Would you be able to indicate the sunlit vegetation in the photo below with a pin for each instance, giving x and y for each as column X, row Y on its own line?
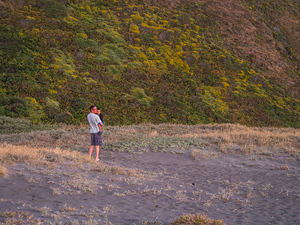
column 196, row 220
column 139, row 62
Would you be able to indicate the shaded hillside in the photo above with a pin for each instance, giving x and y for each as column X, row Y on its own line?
column 151, row 61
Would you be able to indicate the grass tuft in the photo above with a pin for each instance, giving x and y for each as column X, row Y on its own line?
column 20, row 218
column 3, row 171
column 196, row 219
column 117, row 170
column 16, row 154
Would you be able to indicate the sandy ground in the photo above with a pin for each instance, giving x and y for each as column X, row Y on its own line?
column 239, row 189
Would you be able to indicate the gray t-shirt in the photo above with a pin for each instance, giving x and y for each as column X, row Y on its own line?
column 94, row 120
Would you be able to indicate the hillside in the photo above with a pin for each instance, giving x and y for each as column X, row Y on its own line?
column 179, row 61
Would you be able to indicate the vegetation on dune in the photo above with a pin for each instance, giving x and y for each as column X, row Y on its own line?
column 12, row 217
column 17, row 125
column 200, row 141
column 141, row 62
column 196, row 220
column 10, row 154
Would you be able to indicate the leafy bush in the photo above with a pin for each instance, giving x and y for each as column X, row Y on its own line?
column 34, row 110
column 10, row 125
column 140, row 95
column 53, row 8
column 28, row 107
column 13, row 106
column 52, row 109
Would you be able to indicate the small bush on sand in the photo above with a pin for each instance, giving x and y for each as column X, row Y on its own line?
column 196, row 220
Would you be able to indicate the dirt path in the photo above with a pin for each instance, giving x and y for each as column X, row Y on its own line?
column 238, row 189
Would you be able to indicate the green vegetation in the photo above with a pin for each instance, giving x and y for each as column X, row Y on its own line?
column 16, row 125
column 139, row 62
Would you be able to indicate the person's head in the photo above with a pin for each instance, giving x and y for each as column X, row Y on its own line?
column 93, row 109
column 98, row 111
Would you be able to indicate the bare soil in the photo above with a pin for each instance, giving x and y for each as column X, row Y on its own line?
column 239, row 189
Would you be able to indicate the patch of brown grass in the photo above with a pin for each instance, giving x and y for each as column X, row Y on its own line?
column 67, row 208
column 81, row 183
column 20, row 218
column 16, row 154
column 10, row 154
column 247, row 139
column 197, row 154
column 3, row 171
column 196, row 219
column 117, row 170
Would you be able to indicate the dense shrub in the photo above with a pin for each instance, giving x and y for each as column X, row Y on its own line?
column 14, row 106
column 67, row 54
column 10, row 125
column 53, row 8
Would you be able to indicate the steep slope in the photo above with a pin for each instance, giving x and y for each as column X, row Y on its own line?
column 182, row 61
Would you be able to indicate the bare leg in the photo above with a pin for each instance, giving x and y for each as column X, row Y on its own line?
column 91, row 151
column 97, row 152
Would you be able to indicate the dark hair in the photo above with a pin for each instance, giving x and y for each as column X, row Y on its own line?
column 101, row 117
column 91, row 107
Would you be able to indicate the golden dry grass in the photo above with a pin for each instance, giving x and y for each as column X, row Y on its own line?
column 18, row 217
column 3, row 171
column 196, row 219
column 10, row 154
column 248, row 139
column 117, row 170
column 227, row 138
column 14, row 154
column 200, row 154
column 240, row 133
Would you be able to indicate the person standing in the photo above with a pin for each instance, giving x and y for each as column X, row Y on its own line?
column 95, row 131
column 99, row 113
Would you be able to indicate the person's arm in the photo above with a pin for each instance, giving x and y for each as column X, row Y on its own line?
column 99, row 123
column 101, row 118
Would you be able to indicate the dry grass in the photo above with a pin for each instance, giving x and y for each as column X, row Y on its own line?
column 196, row 220
column 247, row 138
column 117, row 170
column 227, row 138
column 3, row 171
column 200, row 154
column 18, row 217
column 80, row 182
column 67, row 208
column 15, row 154
column 10, row 154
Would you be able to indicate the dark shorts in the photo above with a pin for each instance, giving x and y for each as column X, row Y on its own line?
column 96, row 139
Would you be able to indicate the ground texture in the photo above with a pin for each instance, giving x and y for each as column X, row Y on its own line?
column 152, row 187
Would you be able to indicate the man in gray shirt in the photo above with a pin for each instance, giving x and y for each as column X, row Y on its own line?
column 95, row 131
